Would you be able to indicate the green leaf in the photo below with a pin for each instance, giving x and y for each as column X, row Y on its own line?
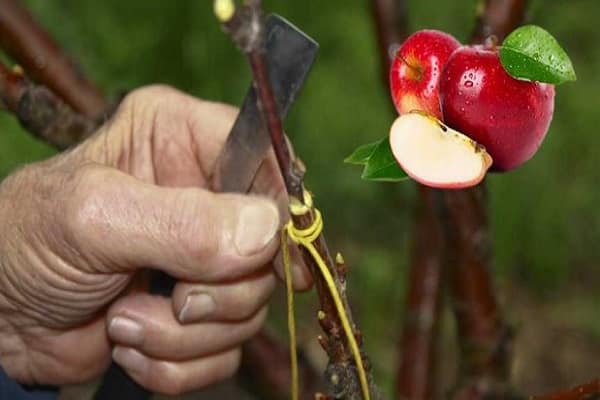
column 532, row 53
column 382, row 166
column 362, row 154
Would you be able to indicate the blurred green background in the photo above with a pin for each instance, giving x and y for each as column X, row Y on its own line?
column 544, row 216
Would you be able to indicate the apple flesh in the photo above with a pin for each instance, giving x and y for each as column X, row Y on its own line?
column 509, row 117
column 416, row 70
column 435, row 155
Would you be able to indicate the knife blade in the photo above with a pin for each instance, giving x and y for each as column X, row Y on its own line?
column 290, row 56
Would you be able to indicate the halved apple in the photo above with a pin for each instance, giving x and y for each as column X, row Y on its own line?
column 435, row 155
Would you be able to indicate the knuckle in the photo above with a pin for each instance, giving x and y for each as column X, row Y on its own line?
column 153, row 93
column 82, row 205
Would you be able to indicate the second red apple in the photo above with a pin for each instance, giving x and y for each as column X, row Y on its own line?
column 479, row 98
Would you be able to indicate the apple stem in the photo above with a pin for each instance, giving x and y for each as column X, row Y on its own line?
column 491, row 42
column 417, row 71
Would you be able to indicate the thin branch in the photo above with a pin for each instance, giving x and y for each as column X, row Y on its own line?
column 41, row 112
column 391, row 24
column 33, row 48
column 485, row 340
column 246, row 28
column 587, row 391
column 418, row 358
column 498, row 18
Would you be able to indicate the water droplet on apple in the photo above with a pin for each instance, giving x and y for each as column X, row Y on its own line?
column 462, row 109
column 469, row 84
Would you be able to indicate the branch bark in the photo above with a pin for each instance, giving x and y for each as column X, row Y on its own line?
column 246, row 28
column 391, row 27
column 34, row 49
column 587, row 391
column 418, row 359
column 498, row 18
column 41, row 112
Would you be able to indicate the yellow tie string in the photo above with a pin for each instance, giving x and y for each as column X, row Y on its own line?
column 306, row 237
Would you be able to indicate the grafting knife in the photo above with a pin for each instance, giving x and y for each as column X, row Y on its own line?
column 290, row 56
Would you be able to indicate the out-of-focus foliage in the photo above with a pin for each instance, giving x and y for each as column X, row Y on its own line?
column 545, row 216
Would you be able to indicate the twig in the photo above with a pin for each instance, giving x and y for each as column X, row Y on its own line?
column 498, row 18
column 418, row 358
column 485, row 340
column 391, row 24
column 587, row 391
column 41, row 112
column 246, row 27
column 24, row 40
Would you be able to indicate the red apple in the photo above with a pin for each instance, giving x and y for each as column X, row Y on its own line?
column 416, row 70
column 435, row 155
column 509, row 117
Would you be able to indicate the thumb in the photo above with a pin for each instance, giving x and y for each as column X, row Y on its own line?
column 119, row 224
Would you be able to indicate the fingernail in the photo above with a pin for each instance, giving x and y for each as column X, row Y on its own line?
column 126, row 331
column 130, row 359
column 257, row 225
column 196, row 307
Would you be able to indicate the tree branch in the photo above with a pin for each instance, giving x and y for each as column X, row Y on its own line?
column 33, row 48
column 485, row 340
column 246, row 28
column 498, row 18
column 418, row 358
column 391, row 25
column 587, row 391
column 41, row 112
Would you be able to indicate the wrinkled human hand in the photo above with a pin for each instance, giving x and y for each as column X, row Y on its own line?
column 77, row 227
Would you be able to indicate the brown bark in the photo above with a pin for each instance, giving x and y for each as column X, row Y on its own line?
column 33, row 48
column 391, row 27
column 41, row 112
column 418, row 360
column 498, row 18
column 587, row 391
column 485, row 341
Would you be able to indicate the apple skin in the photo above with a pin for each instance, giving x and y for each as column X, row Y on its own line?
column 509, row 117
column 416, row 70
